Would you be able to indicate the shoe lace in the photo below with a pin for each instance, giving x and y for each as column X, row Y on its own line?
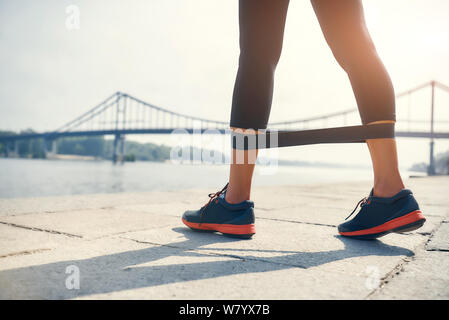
column 361, row 203
column 212, row 196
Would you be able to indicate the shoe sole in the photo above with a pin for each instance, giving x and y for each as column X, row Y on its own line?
column 409, row 222
column 245, row 231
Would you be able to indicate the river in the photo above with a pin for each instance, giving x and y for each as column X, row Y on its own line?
column 38, row 178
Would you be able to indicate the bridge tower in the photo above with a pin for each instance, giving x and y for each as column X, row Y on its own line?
column 431, row 168
column 118, row 153
column 14, row 151
column 50, row 148
column 119, row 149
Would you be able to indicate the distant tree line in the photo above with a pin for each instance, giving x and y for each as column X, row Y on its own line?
column 26, row 148
column 441, row 164
column 101, row 148
column 89, row 146
column 144, row 151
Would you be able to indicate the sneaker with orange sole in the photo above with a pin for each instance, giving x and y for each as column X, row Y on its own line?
column 380, row 216
column 234, row 220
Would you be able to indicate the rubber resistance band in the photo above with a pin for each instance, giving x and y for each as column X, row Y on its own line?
column 277, row 139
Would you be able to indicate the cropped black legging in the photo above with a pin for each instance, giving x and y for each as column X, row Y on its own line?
column 343, row 24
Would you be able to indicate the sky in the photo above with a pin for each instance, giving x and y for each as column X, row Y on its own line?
column 182, row 55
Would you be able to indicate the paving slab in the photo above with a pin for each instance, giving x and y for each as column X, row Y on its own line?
column 91, row 223
column 19, row 241
column 249, row 280
column 135, row 246
column 21, row 206
column 426, row 277
column 439, row 240
column 292, row 245
column 121, row 269
column 307, row 204
column 43, row 275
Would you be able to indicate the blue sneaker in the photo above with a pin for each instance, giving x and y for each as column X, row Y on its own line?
column 380, row 216
column 235, row 220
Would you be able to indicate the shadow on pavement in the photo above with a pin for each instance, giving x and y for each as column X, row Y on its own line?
column 133, row 269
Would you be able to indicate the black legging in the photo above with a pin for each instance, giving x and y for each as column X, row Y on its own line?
column 343, row 24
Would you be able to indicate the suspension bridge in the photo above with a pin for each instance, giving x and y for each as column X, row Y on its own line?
column 122, row 114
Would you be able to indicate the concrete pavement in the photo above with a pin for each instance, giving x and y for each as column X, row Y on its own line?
column 134, row 246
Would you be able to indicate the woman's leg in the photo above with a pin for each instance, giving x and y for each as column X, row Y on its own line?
column 261, row 34
column 240, row 176
column 343, row 25
column 387, row 179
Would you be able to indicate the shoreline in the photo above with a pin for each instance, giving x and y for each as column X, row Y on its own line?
column 281, row 162
column 143, row 193
column 25, row 179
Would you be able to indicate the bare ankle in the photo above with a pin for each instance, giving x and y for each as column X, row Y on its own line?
column 387, row 189
column 234, row 198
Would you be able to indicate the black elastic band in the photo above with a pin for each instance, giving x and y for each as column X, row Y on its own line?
column 278, row 139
